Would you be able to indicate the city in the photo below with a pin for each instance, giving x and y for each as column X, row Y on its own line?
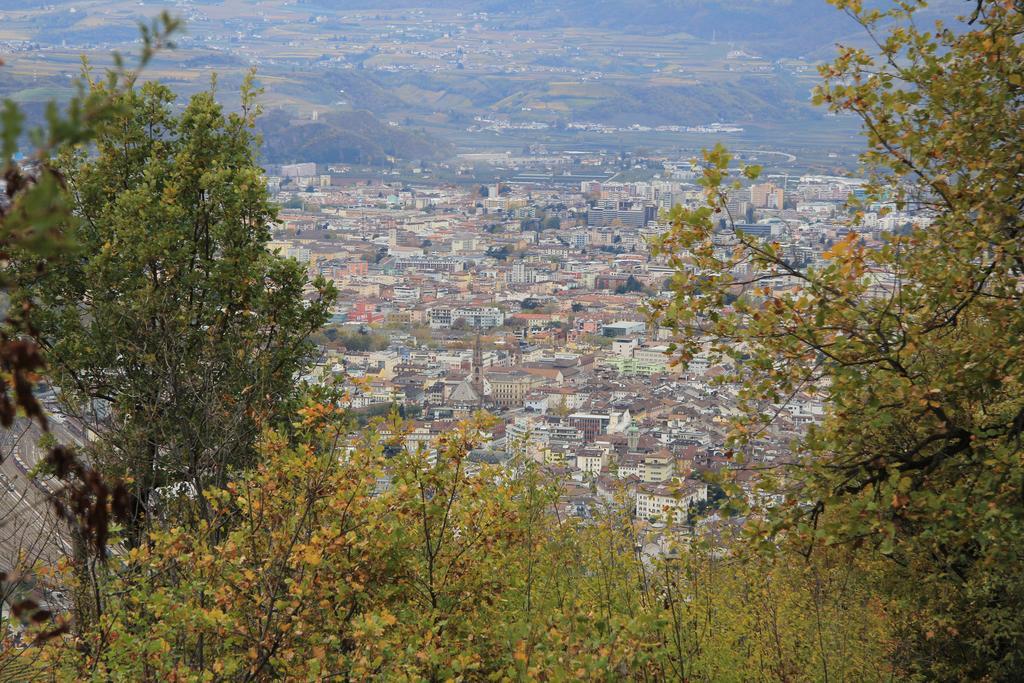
column 526, row 299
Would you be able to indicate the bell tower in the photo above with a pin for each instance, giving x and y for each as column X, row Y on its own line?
column 477, row 371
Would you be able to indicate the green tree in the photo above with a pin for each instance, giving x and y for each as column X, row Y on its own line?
column 631, row 285
column 914, row 342
column 173, row 330
column 352, row 340
column 500, row 253
column 37, row 227
column 561, row 409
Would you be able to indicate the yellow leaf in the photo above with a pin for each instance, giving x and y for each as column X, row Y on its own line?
column 840, row 248
column 312, row 557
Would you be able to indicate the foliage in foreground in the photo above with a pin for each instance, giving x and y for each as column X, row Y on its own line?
column 172, row 324
column 916, row 346
column 311, row 569
column 34, row 212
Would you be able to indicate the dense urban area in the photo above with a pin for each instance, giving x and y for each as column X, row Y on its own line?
column 526, row 299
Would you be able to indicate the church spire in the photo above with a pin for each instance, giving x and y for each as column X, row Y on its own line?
column 478, row 368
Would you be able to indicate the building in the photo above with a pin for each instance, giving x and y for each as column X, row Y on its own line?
column 365, row 312
column 766, row 196
column 669, row 503
column 657, row 468
column 736, row 206
column 521, row 274
column 593, row 425
column 624, row 328
column 303, row 170
column 630, row 218
column 476, row 317
column 508, row 388
column 624, row 347
column 428, row 264
column 630, row 365
column 407, row 295
column 591, row 460
column 762, row 230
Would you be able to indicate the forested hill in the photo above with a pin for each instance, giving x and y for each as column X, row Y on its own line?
column 356, row 137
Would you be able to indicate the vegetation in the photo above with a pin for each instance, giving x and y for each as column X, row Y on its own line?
column 500, row 253
column 34, row 207
column 352, row 340
column 530, row 304
column 355, row 137
column 630, row 286
column 918, row 462
column 302, row 573
column 551, row 222
column 171, row 323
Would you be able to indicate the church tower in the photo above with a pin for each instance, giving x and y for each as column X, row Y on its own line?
column 477, row 372
column 633, row 437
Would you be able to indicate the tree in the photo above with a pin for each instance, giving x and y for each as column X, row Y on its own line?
column 314, row 569
column 500, row 253
column 629, row 286
column 173, row 330
column 529, row 304
column 918, row 460
column 33, row 207
column 561, row 409
column 355, row 340
column 355, row 557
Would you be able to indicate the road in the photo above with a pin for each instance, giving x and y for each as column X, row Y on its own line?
column 790, row 158
column 30, row 530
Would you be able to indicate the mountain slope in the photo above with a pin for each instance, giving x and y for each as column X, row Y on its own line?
column 355, row 137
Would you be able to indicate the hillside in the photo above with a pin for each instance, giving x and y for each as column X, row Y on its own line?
column 349, row 136
column 443, row 66
column 788, row 28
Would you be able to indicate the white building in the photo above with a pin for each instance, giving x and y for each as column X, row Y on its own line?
column 481, row 317
column 521, row 274
column 669, row 503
